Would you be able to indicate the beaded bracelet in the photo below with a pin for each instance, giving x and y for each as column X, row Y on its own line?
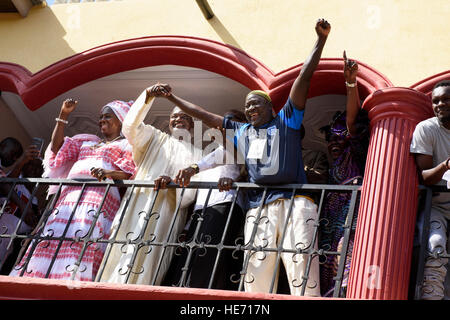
column 350, row 85
column 61, row 120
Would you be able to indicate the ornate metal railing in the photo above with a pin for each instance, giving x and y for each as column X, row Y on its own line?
column 421, row 249
column 241, row 251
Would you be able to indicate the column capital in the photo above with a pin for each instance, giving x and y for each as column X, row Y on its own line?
column 426, row 85
column 398, row 102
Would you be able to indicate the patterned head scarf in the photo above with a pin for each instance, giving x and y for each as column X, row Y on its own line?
column 120, row 108
column 337, row 126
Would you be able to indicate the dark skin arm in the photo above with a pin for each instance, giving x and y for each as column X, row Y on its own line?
column 30, row 153
column 212, row 120
column 428, row 174
column 184, row 176
column 299, row 90
column 67, row 108
column 298, row 93
column 161, row 182
column 225, row 184
column 102, row 174
column 353, row 105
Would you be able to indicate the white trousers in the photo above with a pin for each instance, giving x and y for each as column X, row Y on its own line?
column 269, row 231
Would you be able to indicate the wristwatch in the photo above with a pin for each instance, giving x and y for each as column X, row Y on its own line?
column 195, row 167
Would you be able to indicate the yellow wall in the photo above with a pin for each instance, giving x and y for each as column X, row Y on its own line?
column 406, row 40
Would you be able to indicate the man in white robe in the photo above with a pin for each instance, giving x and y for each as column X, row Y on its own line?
column 144, row 222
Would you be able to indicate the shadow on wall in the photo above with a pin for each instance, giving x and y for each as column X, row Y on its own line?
column 222, row 32
column 10, row 126
column 228, row 39
column 40, row 32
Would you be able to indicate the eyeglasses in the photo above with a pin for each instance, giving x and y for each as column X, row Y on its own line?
column 336, row 137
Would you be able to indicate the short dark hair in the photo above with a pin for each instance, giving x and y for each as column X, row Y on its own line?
column 12, row 142
column 443, row 83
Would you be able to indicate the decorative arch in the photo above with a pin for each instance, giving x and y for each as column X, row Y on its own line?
column 328, row 79
column 426, row 86
column 41, row 87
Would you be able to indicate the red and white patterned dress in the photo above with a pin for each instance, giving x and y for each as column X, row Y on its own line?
column 84, row 152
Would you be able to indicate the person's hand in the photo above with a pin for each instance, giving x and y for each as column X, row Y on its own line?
column 68, row 106
column 100, row 174
column 350, row 69
column 322, row 28
column 161, row 182
column 32, row 152
column 225, row 184
column 183, row 177
column 447, row 163
column 159, row 90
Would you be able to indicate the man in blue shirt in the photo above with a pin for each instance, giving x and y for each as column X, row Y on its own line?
column 271, row 146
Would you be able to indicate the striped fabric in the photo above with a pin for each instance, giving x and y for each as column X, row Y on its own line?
column 112, row 156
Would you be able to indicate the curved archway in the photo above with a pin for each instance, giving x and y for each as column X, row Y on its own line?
column 426, row 86
column 39, row 88
column 328, row 79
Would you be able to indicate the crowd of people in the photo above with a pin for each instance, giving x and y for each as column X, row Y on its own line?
column 264, row 148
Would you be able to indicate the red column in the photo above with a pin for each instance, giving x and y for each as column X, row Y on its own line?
column 384, row 236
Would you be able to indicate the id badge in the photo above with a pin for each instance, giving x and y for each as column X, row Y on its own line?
column 256, row 149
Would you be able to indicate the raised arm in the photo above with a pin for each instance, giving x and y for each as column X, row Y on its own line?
column 299, row 90
column 353, row 104
column 133, row 128
column 67, row 108
column 212, row 120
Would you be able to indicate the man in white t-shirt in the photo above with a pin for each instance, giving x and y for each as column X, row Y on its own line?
column 431, row 147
